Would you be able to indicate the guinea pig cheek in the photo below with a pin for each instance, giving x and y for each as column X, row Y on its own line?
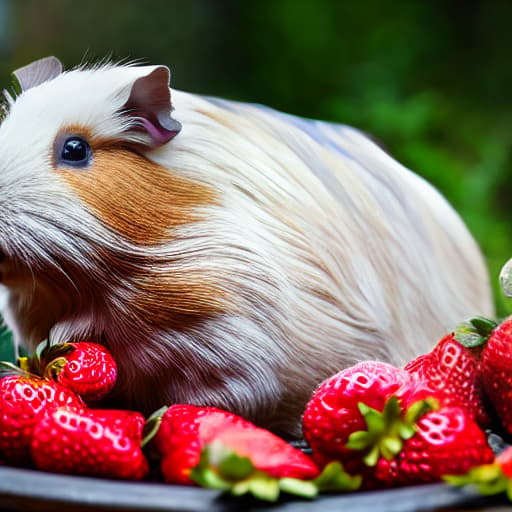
column 136, row 197
column 144, row 202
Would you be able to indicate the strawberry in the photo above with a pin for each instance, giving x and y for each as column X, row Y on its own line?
column 90, row 442
column 333, row 414
column 86, row 368
column 504, row 460
column 452, row 371
column 24, row 401
column 218, row 449
column 446, row 441
column 180, row 431
column 497, row 371
column 495, row 344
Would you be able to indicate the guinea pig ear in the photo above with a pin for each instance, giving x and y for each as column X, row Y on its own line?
column 38, row 72
column 149, row 109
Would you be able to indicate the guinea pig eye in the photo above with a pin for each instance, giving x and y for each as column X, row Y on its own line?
column 75, row 152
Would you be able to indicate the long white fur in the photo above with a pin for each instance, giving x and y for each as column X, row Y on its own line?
column 328, row 250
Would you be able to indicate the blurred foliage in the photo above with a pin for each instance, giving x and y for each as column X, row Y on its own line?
column 430, row 79
column 6, row 346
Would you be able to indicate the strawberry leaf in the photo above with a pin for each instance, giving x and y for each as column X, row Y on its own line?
column 303, row 488
column 207, row 477
column 487, row 479
column 261, row 486
column 221, row 468
column 334, row 478
column 387, row 430
column 483, row 325
column 360, row 440
column 474, row 332
column 509, row 490
column 45, row 354
column 230, row 465
column 375, row 420
column 419, row 409
column 390, row 446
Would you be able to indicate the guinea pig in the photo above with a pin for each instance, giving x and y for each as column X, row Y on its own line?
column 226, row 253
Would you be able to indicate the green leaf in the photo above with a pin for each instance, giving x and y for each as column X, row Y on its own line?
column 509, row 490
column 375, row 420
column 467, row 335
column 234, row 467
column 359, row 440
column 263, row 486
column 487, row 479
column 6, row 343
column 390, row 446
column 392, row 410
column 207, row 477
column 483, row 325
column 474, row 332
column 419, row 409
column 386, row 430
column 372, row 457
column 302, row 488
column 334, row 478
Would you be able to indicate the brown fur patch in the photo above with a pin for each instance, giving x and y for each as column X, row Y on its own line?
column 141, row 200
column 144, row 202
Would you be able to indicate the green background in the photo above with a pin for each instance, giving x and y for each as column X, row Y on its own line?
column 430, row 79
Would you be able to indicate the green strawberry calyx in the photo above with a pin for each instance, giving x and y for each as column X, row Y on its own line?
column 221, row 468
column 387, row 430
column 486, row 479
column 475, row 332
column 49, row 360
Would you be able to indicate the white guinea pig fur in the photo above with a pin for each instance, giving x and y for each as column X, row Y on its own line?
column 227, row 254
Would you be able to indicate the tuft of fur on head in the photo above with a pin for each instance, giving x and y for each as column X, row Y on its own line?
column 236, row 263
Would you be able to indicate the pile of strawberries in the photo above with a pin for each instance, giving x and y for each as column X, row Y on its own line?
column 369, row 426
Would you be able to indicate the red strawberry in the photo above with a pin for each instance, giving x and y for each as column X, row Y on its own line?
column 86, row 368
column 504, row 460
column 333, row 414
column 23, row 402
column 181, row 436
column 90, row 442
column 130, row 423
column 447, row 441
column 218, row 449
column 497, row 371
column 452, row 371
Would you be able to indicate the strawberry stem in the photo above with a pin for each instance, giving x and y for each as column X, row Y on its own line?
column 54, row 368
column 152, row 425
column 8, row 368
